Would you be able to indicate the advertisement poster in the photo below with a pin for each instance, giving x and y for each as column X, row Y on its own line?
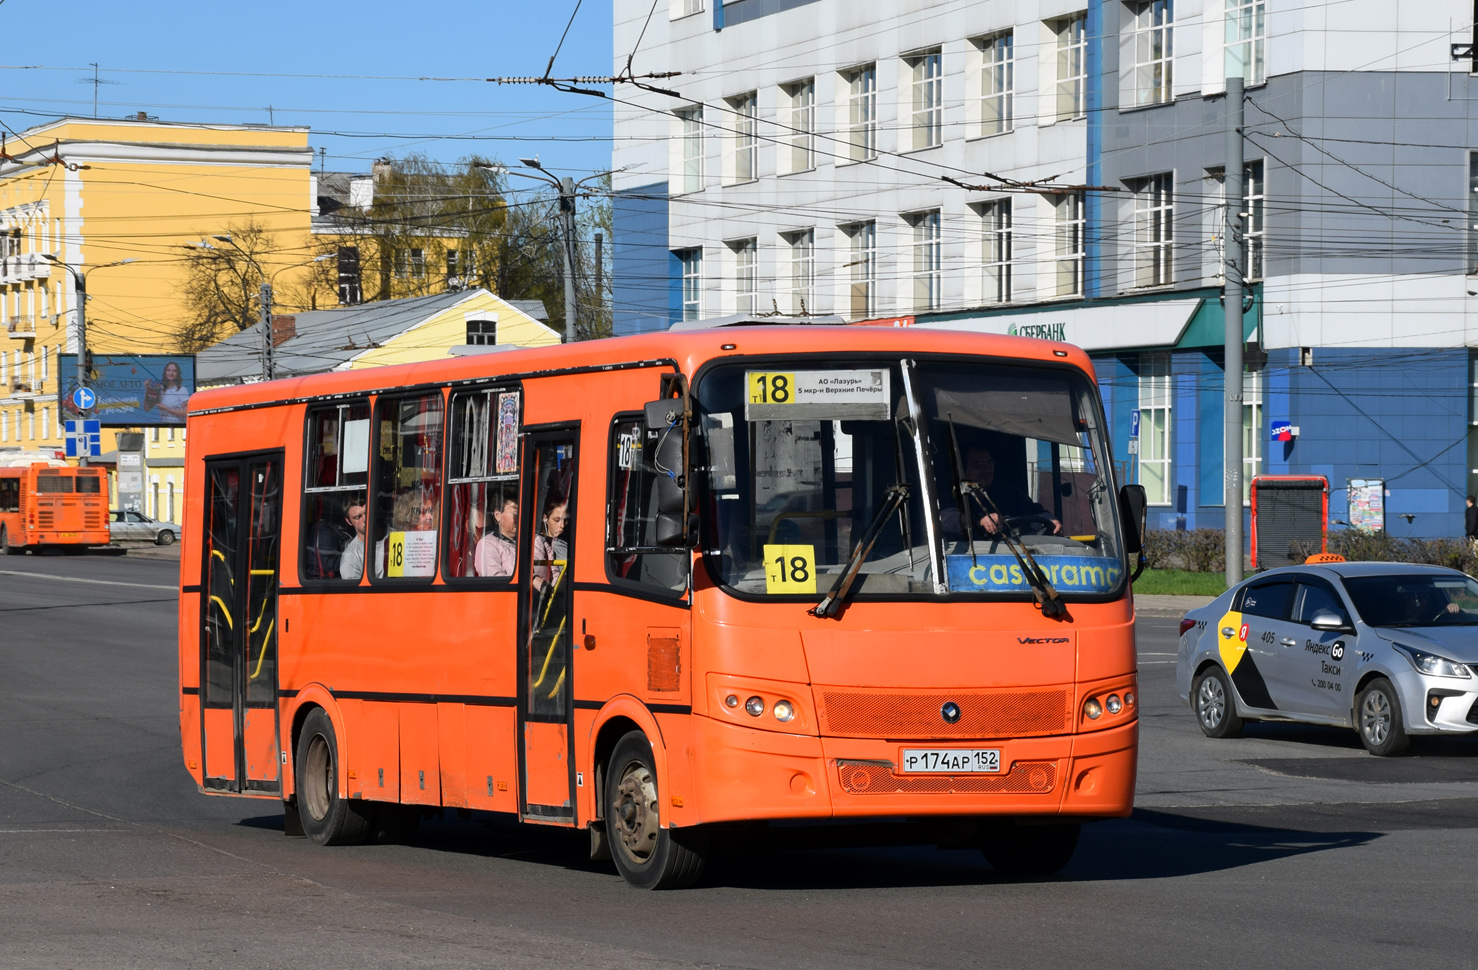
column 1368, row 503
column 507, row 455
column 133, row 390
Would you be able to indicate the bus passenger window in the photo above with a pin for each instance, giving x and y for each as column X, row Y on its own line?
column 483, row 485
column 407, row 487
column 632, row 553
column 10, row 494
column 336, row 473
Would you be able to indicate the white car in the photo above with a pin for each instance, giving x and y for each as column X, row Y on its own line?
column 1388, row 649
column 130, row 525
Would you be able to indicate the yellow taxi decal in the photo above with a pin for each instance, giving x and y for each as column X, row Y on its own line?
column 1231, row 640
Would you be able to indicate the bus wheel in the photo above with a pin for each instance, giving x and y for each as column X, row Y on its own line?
column 1030, row 850
column 327, row 818
column 647, row 855
column 6, row 546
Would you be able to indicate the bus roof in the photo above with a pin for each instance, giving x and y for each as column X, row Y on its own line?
column 690, row 349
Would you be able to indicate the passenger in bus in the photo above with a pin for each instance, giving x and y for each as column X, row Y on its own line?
column 980, row 467
column 327, row 539
column 414, row 511
column 351, row 561
column 497, row 552
column 551, row 551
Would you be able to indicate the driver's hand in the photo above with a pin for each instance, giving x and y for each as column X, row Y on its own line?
column 991, row 523
column 1056, row 527
column 1454, row 608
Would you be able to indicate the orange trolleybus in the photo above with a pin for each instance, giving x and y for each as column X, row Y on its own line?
column 660, row 587
column 45, row 505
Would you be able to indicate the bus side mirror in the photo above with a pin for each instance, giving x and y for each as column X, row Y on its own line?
column 668, row 461
column 1133, row 509
column 664, row 414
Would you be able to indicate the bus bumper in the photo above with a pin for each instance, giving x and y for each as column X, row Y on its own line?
column 749, row 774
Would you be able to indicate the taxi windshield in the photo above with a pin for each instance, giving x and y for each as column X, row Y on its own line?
column 1432, row 599
column 922, row 477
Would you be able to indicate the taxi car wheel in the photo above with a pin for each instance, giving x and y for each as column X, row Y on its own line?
column 1378, row 719
column 327, row 818
column 647, row 855
column 1021, row 851
column 1216, row 705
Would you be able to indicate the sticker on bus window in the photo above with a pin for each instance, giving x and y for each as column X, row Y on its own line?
column 818, row 395
column 790, row 569
column 1003, row 574
column 507, row 462
column 412, row 554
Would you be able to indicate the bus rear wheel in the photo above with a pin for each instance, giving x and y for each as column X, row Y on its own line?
column 5, row 545
column 647, row 855
column 327, row 818
column 1019, row 851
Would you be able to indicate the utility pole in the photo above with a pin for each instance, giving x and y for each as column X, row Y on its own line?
column 567, row 216
column 1234, row 264
column 266, row 331
column 81, row 287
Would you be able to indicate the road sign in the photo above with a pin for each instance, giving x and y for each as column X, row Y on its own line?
column 84, row 398
column 1134, row 423
column 84, row 438
column 1133, row 446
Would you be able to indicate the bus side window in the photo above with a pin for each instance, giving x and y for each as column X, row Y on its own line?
column 335, row 475
column 407, row 487
column 632, row 553
column 482, row 490
column 10, row 494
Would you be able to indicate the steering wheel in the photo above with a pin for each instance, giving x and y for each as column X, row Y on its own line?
column 1032, row 524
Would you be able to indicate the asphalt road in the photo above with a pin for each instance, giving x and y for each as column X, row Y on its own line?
column 1288, row 847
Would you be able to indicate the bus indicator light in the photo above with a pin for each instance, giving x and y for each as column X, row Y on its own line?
column 732, row 700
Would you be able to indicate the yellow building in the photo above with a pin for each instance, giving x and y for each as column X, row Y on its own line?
column 93, row 193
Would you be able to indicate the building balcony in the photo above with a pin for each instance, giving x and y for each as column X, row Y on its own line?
column 22, row 269
column 21, row 328
column 21, row 391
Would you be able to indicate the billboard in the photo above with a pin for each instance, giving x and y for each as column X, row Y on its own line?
column 131, row 390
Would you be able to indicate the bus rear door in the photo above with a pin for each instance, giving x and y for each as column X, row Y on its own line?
column 238, row 644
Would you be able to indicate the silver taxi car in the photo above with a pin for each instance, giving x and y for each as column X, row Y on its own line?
column 1389, row 649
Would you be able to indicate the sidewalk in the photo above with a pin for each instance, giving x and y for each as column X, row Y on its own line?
column 1160, row 604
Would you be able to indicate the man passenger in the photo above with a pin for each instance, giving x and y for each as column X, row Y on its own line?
column 497, row 552
column 351, row 561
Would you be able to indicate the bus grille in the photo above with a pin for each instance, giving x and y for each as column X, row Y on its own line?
column 983, row 714
column 45, row 519
column 1024, row 778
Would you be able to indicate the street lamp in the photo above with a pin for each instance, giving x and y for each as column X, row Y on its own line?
column 79, row 279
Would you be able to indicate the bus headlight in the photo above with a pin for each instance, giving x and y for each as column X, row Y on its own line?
column 1092, row 709
column 784, row 711
column 1113, row 704
column 755, row 706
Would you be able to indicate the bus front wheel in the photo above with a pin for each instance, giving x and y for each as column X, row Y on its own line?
column 327, row 818
column 647, row 855
column 6, row 546
column 1018, row 851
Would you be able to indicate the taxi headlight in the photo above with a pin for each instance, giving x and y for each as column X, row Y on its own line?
column 1432, row 664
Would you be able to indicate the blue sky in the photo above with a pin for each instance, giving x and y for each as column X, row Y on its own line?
column 235, row 47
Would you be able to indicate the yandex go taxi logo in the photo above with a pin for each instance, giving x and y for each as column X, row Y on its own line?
column 1242, row 633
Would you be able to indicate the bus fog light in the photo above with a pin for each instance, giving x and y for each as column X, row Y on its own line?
column 1092, row 708
column 784, row 711
column 1128, row 698
column 732, row 700
column 1113, row 704
column 755, row 706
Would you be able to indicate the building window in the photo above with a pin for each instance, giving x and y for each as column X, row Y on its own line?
column 1072, row 68
column 1153, row 230
column 1154, row 57
column 685, row 8
column 692, row 263
column 927, row 262
column 1252, row 446
column 862, row 113
column 997, row 70
column 169, row 496
column 926, row 99
column 453, row 268
column 1252, row 200
column 746, row 275
column 1154, row 427
column 402, row 264
column 802, row 270
column 45, row 363
column 745, row 110
column 1069, row 244
column 482, row 333
column 800, row 100
column 418, row 264
column 691, row 120
column 154, row 435
column 995, row 223
column 1247, row 35
column 350, row 293
column 862, row 254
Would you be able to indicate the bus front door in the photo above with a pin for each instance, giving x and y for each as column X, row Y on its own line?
column 238, row 645
column 546, row 543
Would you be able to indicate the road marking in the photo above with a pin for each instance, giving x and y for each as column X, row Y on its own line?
column 79, row 579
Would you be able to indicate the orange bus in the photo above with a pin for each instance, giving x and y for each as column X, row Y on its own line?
column 663, row 587
column 44, row 505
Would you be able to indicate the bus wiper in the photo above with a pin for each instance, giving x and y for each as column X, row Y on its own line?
column 1048, row 600
column 903, row 523
column 836, row 597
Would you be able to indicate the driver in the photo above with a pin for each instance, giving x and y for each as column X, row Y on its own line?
column 980, row 467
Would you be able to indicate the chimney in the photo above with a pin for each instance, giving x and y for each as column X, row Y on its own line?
column 284, row 328
column 382, row 169
column 141, row 117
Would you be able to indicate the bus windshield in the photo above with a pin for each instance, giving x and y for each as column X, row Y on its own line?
column 959, row 475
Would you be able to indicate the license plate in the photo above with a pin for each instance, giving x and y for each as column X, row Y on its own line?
column 954, row 761
column 67, row 535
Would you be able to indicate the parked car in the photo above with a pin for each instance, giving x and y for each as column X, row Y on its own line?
column 1389, row 649
column 128, row 525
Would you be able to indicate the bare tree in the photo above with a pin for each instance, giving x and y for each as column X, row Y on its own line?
column 221, row 293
